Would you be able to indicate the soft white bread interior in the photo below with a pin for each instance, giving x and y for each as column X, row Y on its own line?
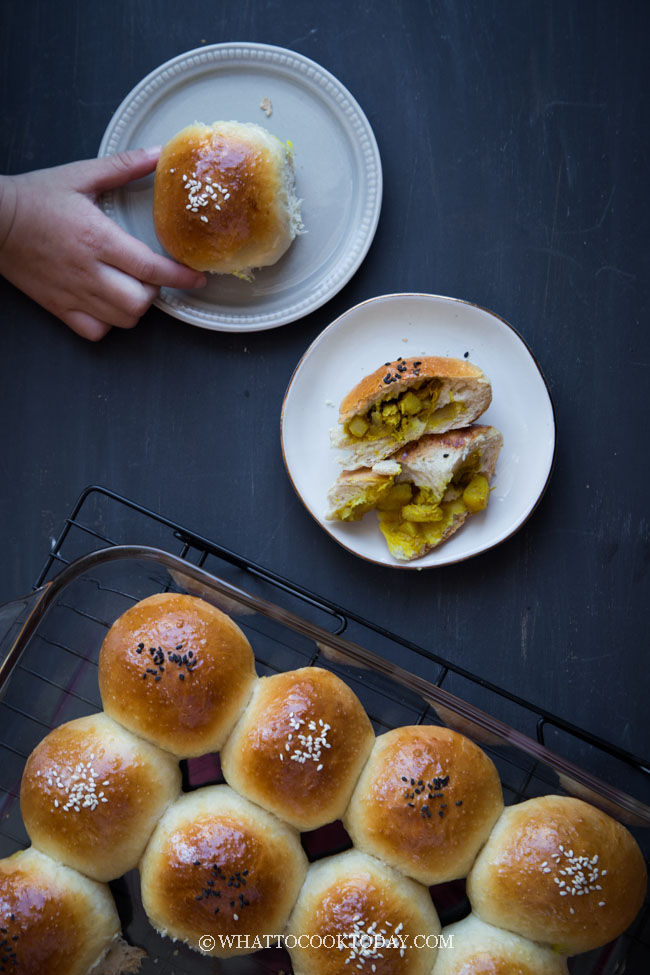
column 224, row 197
column 403, row 400
column 299, row 746
column 53, row 920
column 356, row 913
column 219, row 865
column 92, row 792
column 425, row 803
column 443, row 479
column 559, row 871
column 176, row 671
column 472, row 947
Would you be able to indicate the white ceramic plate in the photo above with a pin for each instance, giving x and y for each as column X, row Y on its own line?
column 338, row 174
column 383, row 329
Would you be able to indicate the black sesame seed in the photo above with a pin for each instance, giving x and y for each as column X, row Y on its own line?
column 387, row 378
column 181, row 676
column 460, row 802
column 445, row 455
column 156, row 679
column 466, row 355
column 180, row 646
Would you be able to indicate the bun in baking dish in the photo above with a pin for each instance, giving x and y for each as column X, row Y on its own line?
column 425, row 493
column 219, row 865
column 224, row 197
column 53, row 921
column 425, row 802
column 558, row 870
column 176, row 671
column 91, row 794
column 355, row 913
column 403, row 400
column 299, row 746
column 471, row 947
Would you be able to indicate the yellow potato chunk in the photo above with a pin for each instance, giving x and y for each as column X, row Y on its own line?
column 410, row 404
column 476, row 493
column 421, row 512
column 399, row 494
column 357, row 426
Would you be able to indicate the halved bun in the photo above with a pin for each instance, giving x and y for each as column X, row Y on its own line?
column 224, row 197
column 449, row 474
column 452, row 393
column 471, row 947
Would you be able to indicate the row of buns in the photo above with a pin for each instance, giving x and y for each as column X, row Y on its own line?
column 422, row 805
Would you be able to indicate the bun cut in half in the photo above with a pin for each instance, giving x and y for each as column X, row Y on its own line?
column 425, row 493
column 403, row 400
column 53, row 921
column 224, row 198
column 425, row 802
column 560, row 871
column 471, row 947
column 218, row 865
column 300, row 746
column 357, row 914
column 176, row 671
column 92, row 793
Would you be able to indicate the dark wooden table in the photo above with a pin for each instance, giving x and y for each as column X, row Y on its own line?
column 514, row 143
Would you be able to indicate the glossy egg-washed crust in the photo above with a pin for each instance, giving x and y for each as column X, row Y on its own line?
column 186, row 695
column 392, row 378
column 257, row 757
column 252, row 222
column 349, row 893
column 426, row 802
column 219, row 865
column 53, row 921
column 518, row 878
column 471, row 947
column 127, row 785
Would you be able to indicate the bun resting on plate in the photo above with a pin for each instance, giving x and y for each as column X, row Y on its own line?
column 560, row 871
column 53, row 920
column 92, row 793
column 403, row 400
column 425, row 493
column 176, row 671
column 425, row 802
column 218, row 865
column 224, row 198
column 357, row 914
column 471, row 947
column 299, row 746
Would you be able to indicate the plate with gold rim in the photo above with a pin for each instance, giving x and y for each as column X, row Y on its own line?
column 383, row 329
column 338, row 174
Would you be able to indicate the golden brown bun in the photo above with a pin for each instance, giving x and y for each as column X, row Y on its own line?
column 351, row 914
column 461, row 382
column 558, row 870
column 471, row 947
column 224, row 197
column 425, row 803
column 299, row 747
column 219, row 865
column 53, row 921
column 92, row 793
column 177, row 671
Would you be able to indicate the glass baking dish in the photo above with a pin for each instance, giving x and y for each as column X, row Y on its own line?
column 49, row 647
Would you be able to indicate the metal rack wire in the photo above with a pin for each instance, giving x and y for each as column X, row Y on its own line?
column 64, row 685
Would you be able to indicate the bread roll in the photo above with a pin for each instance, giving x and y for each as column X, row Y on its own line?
column 299, row 747
column 425, row 803
column 427, row 493
column 218, row 865
column 403, row 400
column 558, row 870
column 224, row 197
column 471, row 947
column 53, row 921
column 92, row 793
column 355, row 913
column 176, row 671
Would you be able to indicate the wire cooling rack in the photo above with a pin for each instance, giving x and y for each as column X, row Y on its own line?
column 55, row 679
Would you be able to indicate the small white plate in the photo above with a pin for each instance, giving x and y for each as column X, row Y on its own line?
column 383, row 329
column 338, row 174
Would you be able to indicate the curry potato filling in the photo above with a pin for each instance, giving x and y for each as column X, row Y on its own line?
column 397, row 416
column 412, row 517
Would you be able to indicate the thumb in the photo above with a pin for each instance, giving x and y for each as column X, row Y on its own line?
column 109, row 172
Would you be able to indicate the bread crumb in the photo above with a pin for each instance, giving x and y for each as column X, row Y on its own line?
column 266, row 106
column 329, row 402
